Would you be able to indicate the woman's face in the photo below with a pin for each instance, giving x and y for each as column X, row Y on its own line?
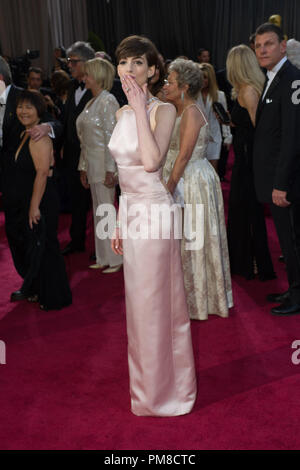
column 27, row 114
column 89, row 81
column 171, row 88
column 136, row 67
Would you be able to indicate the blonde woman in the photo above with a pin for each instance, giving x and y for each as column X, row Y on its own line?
column 247, row 237
column 97, row 168
column 210, row 93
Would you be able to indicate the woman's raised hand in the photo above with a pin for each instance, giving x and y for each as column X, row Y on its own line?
column 136, row 96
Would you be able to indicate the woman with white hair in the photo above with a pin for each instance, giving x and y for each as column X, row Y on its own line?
column 293, row 52
column 247, row 237
column 193, row 181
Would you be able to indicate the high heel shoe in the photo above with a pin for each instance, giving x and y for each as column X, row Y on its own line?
column 98, row 266
column 113, row 269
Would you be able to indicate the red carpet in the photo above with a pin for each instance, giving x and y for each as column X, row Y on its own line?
column 65, row 381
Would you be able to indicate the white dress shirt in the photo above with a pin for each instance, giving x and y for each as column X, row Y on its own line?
column 215, row 135
column 3, row 98
column 271, row 74
column 79, row 94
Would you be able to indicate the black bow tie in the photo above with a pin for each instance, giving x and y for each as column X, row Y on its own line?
column 80, row 84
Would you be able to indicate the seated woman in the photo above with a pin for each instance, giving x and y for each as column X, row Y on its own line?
column 31, row 212
column 192, row 180
column 247, row 236
column 96, row 165
column 210, row 93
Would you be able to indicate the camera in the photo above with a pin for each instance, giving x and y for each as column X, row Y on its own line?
column 19, row 67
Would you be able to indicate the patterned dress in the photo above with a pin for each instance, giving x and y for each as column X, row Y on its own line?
column 206, row 267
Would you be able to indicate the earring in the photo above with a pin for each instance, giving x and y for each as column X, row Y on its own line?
column 182, row 96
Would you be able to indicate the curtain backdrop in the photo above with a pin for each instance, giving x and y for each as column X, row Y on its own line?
column 68, row 21
column 41, row 25
column 24, row 25
column 180, row 27
column 176, row 26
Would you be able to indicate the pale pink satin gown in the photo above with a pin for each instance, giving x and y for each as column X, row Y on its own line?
column 160, row 354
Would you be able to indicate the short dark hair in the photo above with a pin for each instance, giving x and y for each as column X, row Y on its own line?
column 252, row 38
column 156, row 87
column 35, row 70
column 270, row 28
column 134, row 46
column 202, row 49
column 60, row 82
column 35, row 98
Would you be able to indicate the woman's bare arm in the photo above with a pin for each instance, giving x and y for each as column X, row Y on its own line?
column 190, row 126
column 152, row 145
column 42, row 156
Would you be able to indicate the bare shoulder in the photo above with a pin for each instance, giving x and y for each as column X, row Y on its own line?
column 165, row 109
column 43, row 143
column 248, row 94
column 191, row 113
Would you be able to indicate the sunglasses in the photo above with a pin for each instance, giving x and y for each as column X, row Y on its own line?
column 74, row 61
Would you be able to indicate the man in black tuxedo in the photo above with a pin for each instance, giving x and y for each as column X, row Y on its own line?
column 78, row 97
column 277, row 155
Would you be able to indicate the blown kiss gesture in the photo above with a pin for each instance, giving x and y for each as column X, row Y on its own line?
column 137, row 96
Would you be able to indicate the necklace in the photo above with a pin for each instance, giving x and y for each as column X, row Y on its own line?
column 151, row 99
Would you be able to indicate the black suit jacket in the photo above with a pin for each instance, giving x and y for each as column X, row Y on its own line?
column 71, row 143
column 12, row 127
column 276, row 152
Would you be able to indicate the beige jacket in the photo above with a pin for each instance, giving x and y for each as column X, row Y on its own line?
column 94, row 128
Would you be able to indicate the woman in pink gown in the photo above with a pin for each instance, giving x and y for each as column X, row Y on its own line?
column 160, row 354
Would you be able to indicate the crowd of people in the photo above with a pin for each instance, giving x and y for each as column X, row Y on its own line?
column 152, row 132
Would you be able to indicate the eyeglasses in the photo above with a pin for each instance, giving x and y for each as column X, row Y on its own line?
column 74, row 61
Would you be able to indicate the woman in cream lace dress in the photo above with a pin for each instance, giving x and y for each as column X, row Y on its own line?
column 192, row 180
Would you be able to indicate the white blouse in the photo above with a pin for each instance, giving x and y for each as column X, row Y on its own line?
column 214, row 147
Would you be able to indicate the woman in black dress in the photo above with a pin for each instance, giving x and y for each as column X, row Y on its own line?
column 31, row 212
column 247, row 236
